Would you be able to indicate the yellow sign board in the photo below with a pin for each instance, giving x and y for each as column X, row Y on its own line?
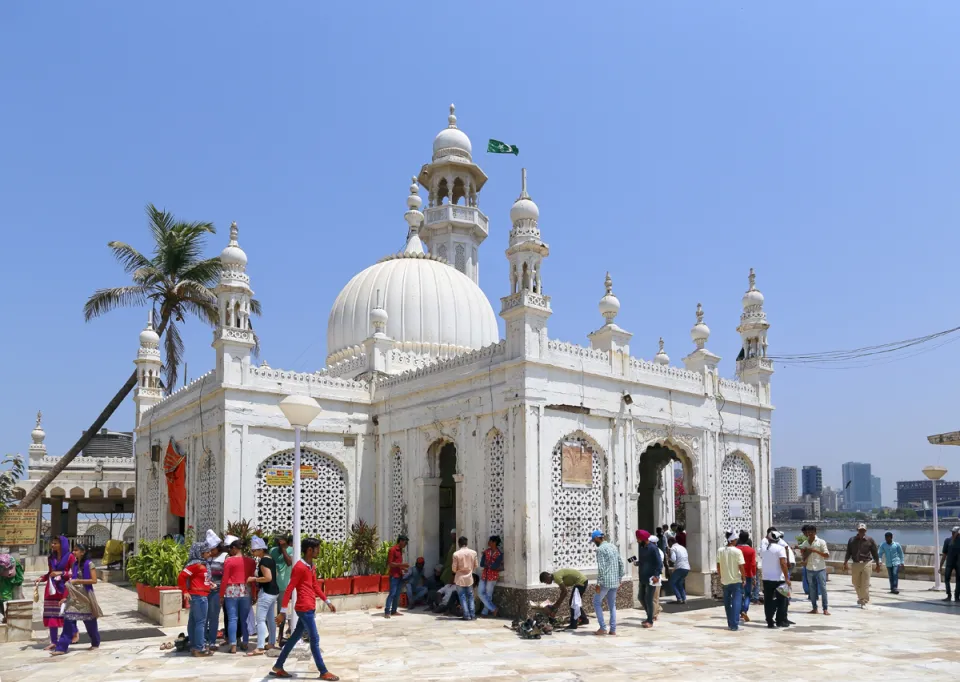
column 18, row 526
column 284, row 475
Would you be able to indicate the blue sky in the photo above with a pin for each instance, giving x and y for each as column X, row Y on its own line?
column 674, row 144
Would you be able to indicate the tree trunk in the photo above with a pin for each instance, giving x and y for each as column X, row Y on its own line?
column 94, row 429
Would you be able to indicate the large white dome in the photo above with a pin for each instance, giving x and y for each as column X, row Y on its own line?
column 432, row 308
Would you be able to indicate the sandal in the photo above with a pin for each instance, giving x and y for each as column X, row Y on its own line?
column 329, row 676
column 256, row 652
column 279, row 672
column 166, row 646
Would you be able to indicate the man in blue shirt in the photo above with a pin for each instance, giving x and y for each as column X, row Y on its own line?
column 892, row 554
column 651, row 565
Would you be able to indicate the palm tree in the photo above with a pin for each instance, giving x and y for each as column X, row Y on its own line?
column 175, row 282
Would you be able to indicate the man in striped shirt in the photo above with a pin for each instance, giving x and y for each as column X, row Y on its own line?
column 609, row 573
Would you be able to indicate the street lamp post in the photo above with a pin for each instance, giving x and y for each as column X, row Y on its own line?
column 299, row 410
column 935, row 473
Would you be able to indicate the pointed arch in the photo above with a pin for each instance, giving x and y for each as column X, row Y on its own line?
column 494, row 446
column 579, row 499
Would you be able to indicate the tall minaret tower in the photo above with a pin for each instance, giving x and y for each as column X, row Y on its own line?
column 148, row 391
column 453, row 226
column 526, row 310
column 753, row 367
column 233, row 338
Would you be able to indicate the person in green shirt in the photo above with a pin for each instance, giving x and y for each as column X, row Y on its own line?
column 568, row 579
column 9, row 584
column 282, row 554
column 447, row 576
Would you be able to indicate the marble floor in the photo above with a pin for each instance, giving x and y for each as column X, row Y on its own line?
column 909, row 636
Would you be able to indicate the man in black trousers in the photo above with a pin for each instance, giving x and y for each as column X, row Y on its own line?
column 775, row 573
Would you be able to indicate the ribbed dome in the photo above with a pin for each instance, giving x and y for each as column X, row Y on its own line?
column 432, row 308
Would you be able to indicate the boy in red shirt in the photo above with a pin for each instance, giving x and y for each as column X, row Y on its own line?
column 749, row 573
column 397, row 568
column 303, row 579
column 194, row 582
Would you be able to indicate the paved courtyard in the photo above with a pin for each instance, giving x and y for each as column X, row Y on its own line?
column 906, row 637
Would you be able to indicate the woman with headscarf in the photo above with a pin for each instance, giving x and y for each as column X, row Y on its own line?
column 194, row 583
column 265, row 578
column 236, row 594
column 81, row 603
column 59, row 563
column 218, row 557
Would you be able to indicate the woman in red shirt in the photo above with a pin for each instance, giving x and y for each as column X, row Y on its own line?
column 194, row 582
column 236, row 593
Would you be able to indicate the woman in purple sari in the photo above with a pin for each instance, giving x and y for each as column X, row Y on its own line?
column 81, row 604
column 60, row 561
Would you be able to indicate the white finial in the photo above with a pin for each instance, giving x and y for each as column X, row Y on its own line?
column 39, row 418
column 700, row 332
column 378, row 318
column 232, row 257
column 150, row 319
column 452, row 118
column 609, row 304
column 661, row 357
column 752, row 299
column 524, row 208
column 753, row 280
column 38, row 434
column 414, row 219
column 523, row 184
column 234, row 231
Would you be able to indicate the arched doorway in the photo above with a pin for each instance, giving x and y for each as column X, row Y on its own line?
column 663, row 478
column 447, row 498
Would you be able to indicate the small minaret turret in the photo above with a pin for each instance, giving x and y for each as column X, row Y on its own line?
column 149, row 389
column 38, row 450
column 233, row 338
column 611, row 337
column 753, row 367
column 701, row 360
column 454, row 227
column 661, row 358
column 526, row 310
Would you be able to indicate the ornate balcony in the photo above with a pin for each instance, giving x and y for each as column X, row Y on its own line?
column 459, row 216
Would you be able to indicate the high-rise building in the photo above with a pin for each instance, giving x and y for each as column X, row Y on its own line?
column 875, row 498
column 857, row 487
column 916, row 494
column 812, row 480
column 784, row 485
column 829, row 501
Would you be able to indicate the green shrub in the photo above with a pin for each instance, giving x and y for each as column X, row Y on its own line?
column 158, row 563
column 379, row 564
column 363, row 545
column 333, row 560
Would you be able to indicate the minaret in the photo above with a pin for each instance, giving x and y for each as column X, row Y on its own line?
column 453, row 226
column 526, row 310
column 701, row 360
column 37, row 448
column 661, row 358
column 611, row 337
column 233, row 338
column 148, row 391
column 753, row 367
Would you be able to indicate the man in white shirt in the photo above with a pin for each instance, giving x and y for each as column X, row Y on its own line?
column 681, row 567
column 815, row 552
column 775, row 572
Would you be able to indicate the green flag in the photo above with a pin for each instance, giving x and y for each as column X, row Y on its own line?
column 498, row 147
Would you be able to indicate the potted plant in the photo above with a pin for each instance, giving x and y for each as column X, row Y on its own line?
column 331, row 566
column 156, row 567
column 379, row 565
column 363, row 544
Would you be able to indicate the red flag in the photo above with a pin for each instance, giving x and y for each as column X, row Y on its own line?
column 175, row 469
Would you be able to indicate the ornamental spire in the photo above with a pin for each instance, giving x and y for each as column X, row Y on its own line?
column 452, row 118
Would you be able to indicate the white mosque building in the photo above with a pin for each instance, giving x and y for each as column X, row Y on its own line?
column 430, row 422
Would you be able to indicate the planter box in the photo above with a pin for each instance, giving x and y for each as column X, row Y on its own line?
column 364, row 584
column 169, row 612
column 151, row 595
column 336, row 586
column 384, row 583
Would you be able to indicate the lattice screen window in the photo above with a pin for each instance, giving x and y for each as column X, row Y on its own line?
column 398, row 508
column 152, row 522
column 577, row 511
column 494, row 453
column 442, row 251
column 736, row 493
column 461, row 258
column 323, row 501
column 208, row 497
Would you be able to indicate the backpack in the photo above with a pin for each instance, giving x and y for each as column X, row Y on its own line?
column 8, row 566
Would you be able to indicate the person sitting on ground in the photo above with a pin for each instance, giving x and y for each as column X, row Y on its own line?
column 11, row 578
column 447, row 576
column 567, row 579
column 445, row 600
column 415, row 580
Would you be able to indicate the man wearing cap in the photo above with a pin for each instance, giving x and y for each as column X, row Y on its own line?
column 862, row 548
column 775, row 573
column 730, row 566
column 415, row 580
column 651, row 566
column 609, row 574
column 396, row 568
column 950, row 558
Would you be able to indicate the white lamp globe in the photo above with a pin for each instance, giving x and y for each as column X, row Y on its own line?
column 299, row 410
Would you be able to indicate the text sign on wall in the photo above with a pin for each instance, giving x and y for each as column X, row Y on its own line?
column 18, row 527
column 735, row 509
column 284, row 475
column 576, row 464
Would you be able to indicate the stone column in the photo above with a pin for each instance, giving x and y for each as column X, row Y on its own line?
column 56, row 509
column 698, row 582
column 72, row 519
column 428, row 533
column 459, row 493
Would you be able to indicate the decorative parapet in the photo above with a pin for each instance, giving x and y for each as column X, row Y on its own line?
column 754, row 363
column 405, row 361
column 267, row 376
column 358, row 363
column 85, row 462
column 738, row 386
column 644, row 367
column 561, row 350
column 457, row 214
column 484, row 353
column 525, row 298
column 180, row 392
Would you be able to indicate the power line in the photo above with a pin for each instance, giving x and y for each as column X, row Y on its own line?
column 868, row 356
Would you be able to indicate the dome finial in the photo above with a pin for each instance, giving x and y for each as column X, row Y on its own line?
column 452, row 118
column 752, row 299
column 752, row 277
column 378, row 318
column 523, row 184
column 661, row 358
column 414, row 219
column 39, row 418
column 609, row 304
column 700, row 332
column 37, row 435
column 234, row 232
